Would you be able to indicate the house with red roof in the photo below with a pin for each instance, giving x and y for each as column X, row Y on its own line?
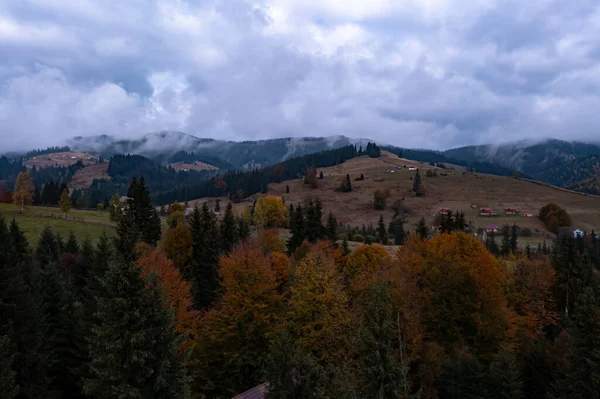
column 511, row 211
column 491, row 228
column 486, row 211
column 445, row 211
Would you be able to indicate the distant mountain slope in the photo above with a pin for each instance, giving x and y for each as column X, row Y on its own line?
column 258, row 153
column 571, row 165
column 530, row 158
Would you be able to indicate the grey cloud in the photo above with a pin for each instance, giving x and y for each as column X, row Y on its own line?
column 241, row 69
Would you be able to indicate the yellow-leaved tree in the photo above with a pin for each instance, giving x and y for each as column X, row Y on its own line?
column 270, row 211
column 23, row 193
column 65, row 202
column 178, row 246
column 318, row 312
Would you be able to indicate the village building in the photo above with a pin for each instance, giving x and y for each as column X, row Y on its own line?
column 578, row 233
column 491, row 228
column 510, row 211
column 486, row 211
column 528, row 215
column 445, row 211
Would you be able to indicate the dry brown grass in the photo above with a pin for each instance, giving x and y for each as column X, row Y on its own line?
column 60, row 159
column 458, row 190
column 84, row 177
column 197, row 165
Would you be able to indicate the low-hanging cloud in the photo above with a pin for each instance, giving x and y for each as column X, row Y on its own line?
column 432, row 74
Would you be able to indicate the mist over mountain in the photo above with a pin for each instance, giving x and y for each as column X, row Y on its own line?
column 242, row 154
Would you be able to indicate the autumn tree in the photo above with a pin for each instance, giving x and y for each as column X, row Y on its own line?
column 270, row 211
column 364, row 264
column 318, row 314
column 234, row 341
column 65, row 202
column 178, row 246
column 379, row 199
column 463, row 289
column 23, row 192
column 177, row 292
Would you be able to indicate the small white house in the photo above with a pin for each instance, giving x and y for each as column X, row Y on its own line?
column 577, row 233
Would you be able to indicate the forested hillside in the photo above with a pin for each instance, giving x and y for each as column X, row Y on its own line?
column 214, row 305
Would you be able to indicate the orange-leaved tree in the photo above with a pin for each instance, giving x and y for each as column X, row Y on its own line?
column 175, row 289
column 23, row 193
column 271, row 241
column 178, row 246
column 461, row 286
column 235, row 335
column 530, row 292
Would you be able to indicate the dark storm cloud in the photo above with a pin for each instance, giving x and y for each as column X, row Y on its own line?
column 433, row 73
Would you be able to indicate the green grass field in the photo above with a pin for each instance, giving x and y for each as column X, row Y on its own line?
column 85, row 224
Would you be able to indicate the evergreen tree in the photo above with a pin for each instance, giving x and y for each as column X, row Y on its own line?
column 48, row 249
column 459, row 221
column 346, row 246
column 206, row 257
column 287, row 189
column 381, row 231
column 292, row 373
column 331, row 227
column 134, row 345
column 396, row 229
column 573, row 272
column 146, row 218
column 8, row 386
column 346, row 186
column 503, row 379
column 217, row 205
column 505, row 247
column 417, row 184
column 64, row 336
column 127, row 236
column 422, row 229
column 72, row 246
column 362, row 177
column 513, row 239
column 462, row 378
column 314, row 225
column 447, row 223
column 383, row 375
column 228, row 230
column 321, row 175
column 298, row 230
column 582, row 380
column 22, row 318
column 243, row 229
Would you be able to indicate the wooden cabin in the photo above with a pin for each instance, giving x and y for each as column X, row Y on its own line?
column 486, row 211
column 510, row 211
column 445, row 211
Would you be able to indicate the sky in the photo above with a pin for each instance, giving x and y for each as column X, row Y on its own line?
column 415, row 73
